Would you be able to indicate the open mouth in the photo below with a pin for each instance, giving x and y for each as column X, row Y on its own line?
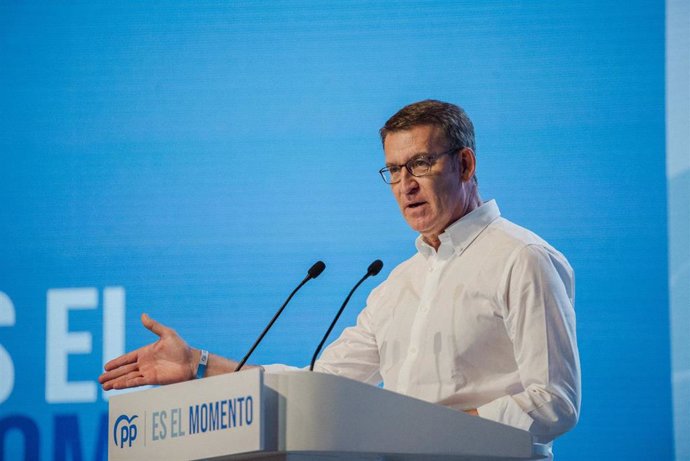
column 415, row 204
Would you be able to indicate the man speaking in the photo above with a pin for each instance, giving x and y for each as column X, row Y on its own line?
column 480, row 319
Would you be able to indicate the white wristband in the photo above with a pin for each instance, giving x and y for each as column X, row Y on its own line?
column 203, row 361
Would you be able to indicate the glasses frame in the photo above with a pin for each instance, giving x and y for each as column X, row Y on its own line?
column 431, row 158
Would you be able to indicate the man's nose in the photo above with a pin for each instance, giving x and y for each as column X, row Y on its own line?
column 408, row 183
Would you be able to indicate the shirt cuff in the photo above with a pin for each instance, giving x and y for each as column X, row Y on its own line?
column 505, row 410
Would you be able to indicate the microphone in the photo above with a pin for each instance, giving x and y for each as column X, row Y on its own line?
column 313, row 272
column 373, row 269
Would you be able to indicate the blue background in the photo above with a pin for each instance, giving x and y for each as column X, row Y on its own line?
column 202, row 155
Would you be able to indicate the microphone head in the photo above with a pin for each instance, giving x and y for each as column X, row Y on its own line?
column 315, row 270
column 375, row 267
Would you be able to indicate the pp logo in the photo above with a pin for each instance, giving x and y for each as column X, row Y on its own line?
column 127, row 432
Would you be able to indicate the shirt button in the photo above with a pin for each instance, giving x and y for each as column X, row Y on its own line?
column 413, row 351
column 425, row 308
column 431, row 268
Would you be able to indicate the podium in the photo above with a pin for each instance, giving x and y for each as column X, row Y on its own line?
column 301, row 416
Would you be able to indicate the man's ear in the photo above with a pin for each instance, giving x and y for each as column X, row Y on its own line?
column 468, row 163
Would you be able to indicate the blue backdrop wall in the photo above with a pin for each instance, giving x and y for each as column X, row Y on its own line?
column 191, row 160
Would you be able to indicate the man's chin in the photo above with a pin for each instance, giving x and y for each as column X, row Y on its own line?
column 418, row 225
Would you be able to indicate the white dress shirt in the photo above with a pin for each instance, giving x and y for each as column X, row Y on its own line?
column 485, row 322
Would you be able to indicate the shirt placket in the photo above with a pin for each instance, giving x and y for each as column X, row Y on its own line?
column 419, row 325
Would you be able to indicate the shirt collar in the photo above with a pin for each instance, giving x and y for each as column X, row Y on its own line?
column 462, row 232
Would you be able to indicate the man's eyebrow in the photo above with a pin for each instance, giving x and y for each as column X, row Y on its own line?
column 414, row 157
column 418, row 155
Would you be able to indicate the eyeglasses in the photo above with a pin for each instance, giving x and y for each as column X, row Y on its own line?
column 417, row 166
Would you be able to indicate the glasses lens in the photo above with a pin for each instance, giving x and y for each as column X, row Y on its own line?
column 419, row 166
column 386, row 175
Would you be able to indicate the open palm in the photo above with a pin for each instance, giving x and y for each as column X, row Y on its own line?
column 168, row 360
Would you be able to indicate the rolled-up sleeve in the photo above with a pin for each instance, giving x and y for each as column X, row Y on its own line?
column 540, row 320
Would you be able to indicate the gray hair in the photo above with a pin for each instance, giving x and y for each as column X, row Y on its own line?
column 449, row 117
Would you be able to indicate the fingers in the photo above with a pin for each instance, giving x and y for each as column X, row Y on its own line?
column 133, row 379
column 153, row 326
column 118, row 372
column 130, row 357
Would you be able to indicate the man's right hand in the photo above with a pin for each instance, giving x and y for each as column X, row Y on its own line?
column 168, row 360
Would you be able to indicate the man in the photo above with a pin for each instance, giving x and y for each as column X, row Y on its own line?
column 480, row 319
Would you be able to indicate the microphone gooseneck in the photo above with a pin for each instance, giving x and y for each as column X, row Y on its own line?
column 313, row 272
column 373, row 269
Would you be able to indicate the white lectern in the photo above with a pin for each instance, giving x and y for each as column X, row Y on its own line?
column 300, row 416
